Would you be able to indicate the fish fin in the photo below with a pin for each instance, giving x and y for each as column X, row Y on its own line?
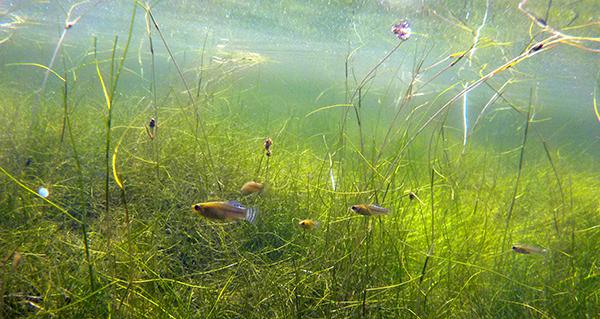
column 382, row 210
column 251, row 214
column 236, row 204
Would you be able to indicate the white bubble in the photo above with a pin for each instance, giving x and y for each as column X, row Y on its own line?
column 43, row 191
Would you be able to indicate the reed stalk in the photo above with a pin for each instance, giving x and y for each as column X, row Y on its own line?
column 155, row 141
column 199, row 124
column 519, row 172
column 82, row 195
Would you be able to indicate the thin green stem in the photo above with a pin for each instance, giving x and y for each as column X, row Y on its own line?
column 82, row 196
column 519, row 172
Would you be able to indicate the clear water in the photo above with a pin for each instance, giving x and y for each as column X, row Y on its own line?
column 272, row 68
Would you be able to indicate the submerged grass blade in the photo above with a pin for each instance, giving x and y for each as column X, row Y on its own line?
column 51, row 203
column 83, row 203
column 519, row 172
column 114, row 166
column 328, row 107
column 596, row 108
column 103, row 85
column 465, row 112
column 39, row 66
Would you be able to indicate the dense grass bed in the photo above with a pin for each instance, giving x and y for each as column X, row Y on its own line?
column 171, row 262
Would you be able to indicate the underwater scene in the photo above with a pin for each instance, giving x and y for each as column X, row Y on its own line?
column 299, row 159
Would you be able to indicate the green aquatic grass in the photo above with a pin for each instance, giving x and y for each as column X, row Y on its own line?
column 139, row 251
column 181, row 265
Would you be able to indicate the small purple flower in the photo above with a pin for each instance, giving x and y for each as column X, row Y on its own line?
column 402, row 30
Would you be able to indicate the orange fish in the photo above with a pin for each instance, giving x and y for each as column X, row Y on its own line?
column 16, row 260
column 230, row 210
column 369, row 210
column 308, row 224
column 251, row 188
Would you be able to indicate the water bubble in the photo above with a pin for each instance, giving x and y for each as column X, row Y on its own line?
column 43, row 191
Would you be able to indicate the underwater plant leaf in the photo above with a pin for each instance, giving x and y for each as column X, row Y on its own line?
column 62, row 210
column 39, row 66
column 114, row 166
column 328, row 107
column 104, row 90
column 596, row 107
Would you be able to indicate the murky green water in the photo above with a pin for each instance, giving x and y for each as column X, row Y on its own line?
column 478, row 134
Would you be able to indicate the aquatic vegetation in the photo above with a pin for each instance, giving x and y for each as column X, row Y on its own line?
column 483, row 158
column 151, row 128
column 237, row 60
column 402, row 30
column 9, row 23
column 268, row 143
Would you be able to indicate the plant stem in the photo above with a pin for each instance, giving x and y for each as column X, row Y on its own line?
column 519, row 171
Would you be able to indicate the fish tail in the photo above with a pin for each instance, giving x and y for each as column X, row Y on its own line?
column 251, row 214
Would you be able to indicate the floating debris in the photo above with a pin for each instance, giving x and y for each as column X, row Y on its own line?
column 43, row 191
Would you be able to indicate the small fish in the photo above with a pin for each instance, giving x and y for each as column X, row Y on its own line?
column 43, row 191
column 268, row 144
column 16, row 260
column 369, row 210
column 252, row 188
column 230, row 210
column 308, row 224
column 526, row 249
